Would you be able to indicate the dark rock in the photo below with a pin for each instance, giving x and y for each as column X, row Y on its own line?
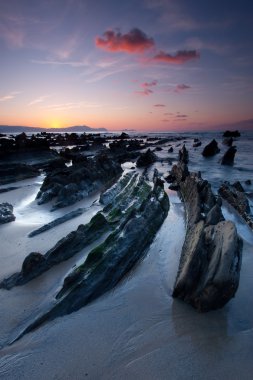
column 196, row 143
column 124, row 135
column 109, row 262
column 16, row 172
column 6, row 213
column 158, row 149
column 238, row 186
column 73, row 183
column 170, row 150
column 209, row 269
column 231, row 134
column 146, row 159
column 211, row 149
column 228, row 158
column 31, row 262
column 174, row 186
column 183, row 155
column 228, row 141
column 248, row 182
column 236, row 197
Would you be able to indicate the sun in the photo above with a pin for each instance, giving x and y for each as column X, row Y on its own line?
column 55, row 124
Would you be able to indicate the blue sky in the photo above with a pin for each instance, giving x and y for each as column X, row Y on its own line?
column 145, row 65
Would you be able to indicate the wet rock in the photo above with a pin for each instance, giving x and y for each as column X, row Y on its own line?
column 6, row 213
column 228, row 141
column 170, row 150
column 209, row 268
column 248, row 182
column 146, row 159
column 211, row 149
column 228, row 158
column 124, row 135
column 236, row 197
column 183, row 155
column 231, row 134
column 71, row 184
column 31, row 262
column 197, row 144
column 16, row 172
column 35, row 264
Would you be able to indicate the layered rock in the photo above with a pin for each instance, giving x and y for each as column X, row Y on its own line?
column 134, row 215
column 209, row 269
column 73, row 183
column 211, row 149
column 234, row 194
column 6, row 213
column 16, row 172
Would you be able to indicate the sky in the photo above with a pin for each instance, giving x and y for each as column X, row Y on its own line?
column 154, row 65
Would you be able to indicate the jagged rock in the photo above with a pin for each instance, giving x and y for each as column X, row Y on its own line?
column 170, row 150
column 209, row 268
column 73, row 183
column 141, row 210
column 124, row 135
column 35, row 264
column 236, row 197
column 211, row 149
column 197, row 144
column 56, row 222
column 146, row 159
column 16, row 172
column 6, row 213
column 228, row 158
column 183, row 155
column 231, row 134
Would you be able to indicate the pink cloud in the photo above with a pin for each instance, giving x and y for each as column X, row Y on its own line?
column 146, row 88
column 159, row 105
column 179, row 58
column 181, row 87
column 135, row 41
column 144, row 92
column 149, row 84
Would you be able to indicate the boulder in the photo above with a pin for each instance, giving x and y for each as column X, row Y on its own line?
column 6, row 213
column 211, row 149
column 228, row 158
column 231, row 134
column 31, row 262
column 146, row 159
column 170, row 150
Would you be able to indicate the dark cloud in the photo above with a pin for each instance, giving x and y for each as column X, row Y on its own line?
column 182, row 116
column 135, row 41
column 159, row 105
column 146, row 88
column 179, row 58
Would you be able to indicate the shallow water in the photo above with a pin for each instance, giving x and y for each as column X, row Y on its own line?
column 137, row 330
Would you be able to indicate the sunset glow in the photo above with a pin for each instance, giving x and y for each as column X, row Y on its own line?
column 107, row 64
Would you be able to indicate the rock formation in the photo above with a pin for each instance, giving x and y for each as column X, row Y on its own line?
column 146, row 159
column 228, row 158
column 236, row 197
column 211, row 149
column 209, row 268
column 71, row 184
column 6, row 213
column 134, row 212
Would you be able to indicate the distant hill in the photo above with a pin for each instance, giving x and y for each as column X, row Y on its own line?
column 77, row 128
